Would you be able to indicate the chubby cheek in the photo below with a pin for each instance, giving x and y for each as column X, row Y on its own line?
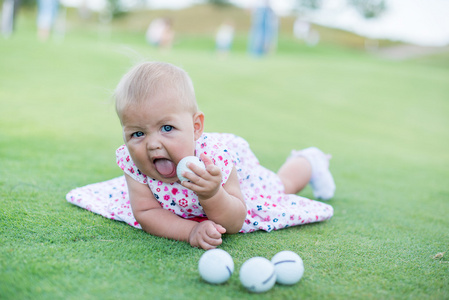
column 182, row 152
column 139, row 157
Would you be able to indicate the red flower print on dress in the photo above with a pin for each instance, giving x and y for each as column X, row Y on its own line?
column 266, row 219
column 269, row 208
column 183, row 202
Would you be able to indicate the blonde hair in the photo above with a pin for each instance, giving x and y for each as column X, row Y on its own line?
column 149, row 79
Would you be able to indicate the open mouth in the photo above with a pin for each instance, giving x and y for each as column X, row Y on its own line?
column 165, row 167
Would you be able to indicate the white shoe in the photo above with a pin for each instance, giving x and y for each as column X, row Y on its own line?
column 321, row 181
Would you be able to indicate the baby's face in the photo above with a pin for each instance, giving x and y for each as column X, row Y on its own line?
column 159, row 134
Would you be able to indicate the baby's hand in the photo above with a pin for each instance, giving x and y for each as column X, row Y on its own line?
column 204, row 182
column 206, row 235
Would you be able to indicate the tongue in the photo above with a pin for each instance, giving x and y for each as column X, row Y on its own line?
column 165, row 167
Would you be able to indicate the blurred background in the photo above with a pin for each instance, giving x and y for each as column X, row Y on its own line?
column 397, row 29
column 335, row 62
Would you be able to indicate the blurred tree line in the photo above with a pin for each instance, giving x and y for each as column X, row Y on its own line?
column 367, row 8
column 115, row 6
column 28, row 2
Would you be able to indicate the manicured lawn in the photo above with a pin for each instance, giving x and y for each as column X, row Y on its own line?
column 385, row 123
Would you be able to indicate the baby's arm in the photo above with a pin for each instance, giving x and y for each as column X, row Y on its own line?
column 225, row 204
column 160, row 222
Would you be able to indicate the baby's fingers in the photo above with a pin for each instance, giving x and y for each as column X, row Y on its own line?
column 206, row 160
column 220, row 228
column 197, row 171
column 210, row 166
column 211, row 239
column 214, row 231
column 209, row 243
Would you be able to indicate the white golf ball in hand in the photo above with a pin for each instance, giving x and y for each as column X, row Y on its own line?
column 182, row 166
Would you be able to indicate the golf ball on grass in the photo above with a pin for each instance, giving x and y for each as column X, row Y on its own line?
column 216, row 266
column 182, row 166
column 288, row 266
column 257, row 274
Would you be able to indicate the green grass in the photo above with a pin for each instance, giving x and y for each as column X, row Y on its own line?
column 385, row 123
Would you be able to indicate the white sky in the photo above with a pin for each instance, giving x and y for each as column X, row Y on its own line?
column 421, row 22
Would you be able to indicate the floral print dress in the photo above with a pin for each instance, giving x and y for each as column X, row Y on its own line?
column 268, row 207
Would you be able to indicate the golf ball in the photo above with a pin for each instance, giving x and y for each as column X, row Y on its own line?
column 182, row 166
column 216, row 266
column 288, row 266
column 257, row 274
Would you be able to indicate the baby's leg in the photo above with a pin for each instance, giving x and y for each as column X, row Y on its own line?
column 310, row 165
column 295, row 174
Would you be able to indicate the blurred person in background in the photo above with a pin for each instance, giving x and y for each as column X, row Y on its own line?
column 46, row 16
column 224, row 38
column 303, row 31
column 264, row 28
column 160, row 33
column 84, row 10
column 9, row 12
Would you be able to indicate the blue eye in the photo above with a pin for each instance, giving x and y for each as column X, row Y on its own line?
column 137, row 134
column 167, row 128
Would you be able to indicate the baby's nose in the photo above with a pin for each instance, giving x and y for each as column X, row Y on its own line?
column 153, row 143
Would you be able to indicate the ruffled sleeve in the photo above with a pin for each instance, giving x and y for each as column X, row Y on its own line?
column 125, row 162
column 218, row 152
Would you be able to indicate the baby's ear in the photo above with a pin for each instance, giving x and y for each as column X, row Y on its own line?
column 198, row 124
